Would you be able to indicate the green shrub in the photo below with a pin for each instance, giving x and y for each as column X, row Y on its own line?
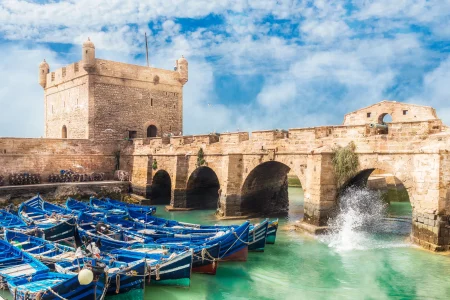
column 345, row 163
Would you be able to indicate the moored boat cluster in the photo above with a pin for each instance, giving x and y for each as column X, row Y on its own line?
column 106, row 247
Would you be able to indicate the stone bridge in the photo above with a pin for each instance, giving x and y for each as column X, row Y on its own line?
column 246, row 174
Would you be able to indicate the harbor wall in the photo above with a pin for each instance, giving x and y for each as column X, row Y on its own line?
column 49, row 156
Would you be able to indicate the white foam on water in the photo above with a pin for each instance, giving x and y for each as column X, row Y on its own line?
column 360, row 223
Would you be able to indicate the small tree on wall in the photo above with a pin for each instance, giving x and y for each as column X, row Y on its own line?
column 345, row 163
column 200, row 158
column 155, row 164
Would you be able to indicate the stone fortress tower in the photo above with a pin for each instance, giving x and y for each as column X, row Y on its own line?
column 103, row 100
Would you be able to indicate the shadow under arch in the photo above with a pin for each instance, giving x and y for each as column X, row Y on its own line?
column 391, row 188
column 202, row 190
column 161, row 188
column 265, row 190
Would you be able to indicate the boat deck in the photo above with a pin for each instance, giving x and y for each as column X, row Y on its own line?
column 41, row 285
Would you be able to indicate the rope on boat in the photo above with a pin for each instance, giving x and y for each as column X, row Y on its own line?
column 254, row 232
column 213, row 259
column 117, row 283
column 3, row 285
column 157, row 268
column 105, row 289
column 205, row 253
column 56, row 294
column 238, row 239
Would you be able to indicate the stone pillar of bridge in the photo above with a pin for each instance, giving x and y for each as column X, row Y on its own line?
column 430, row 197
column 178, row 198
column 320, row 195
column 230, row 189
column 141, row 174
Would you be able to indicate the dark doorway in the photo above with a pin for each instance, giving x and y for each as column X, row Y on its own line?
column 64, row 132
column 202, row 190
column 161, row 188
column 152, row 131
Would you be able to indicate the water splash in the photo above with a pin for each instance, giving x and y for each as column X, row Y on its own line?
column 361, row 223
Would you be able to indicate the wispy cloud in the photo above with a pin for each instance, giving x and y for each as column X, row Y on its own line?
column 312, row 61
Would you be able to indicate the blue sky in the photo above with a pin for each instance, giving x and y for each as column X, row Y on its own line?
column 253, row 64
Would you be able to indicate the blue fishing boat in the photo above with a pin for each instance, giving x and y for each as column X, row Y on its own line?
column 257, row 233
column 54, row 226
column 45, row 251
column 122, row 276
column 8, row 220
column 39, row 203
column 130, row 206
column 233, row 242
column 165, row 269
column 28, row 278
column 75, row 205
column 205, row 257
column 114, row 242
column 111, row 237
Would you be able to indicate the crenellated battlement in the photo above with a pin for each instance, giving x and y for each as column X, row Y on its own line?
column 112, row 69
column 65, row 74
column 107, row 100
column 301, row 140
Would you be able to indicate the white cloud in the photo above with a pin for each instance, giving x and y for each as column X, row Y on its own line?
column 276, row 94
column 325, row 31
column 21, row 96
column 320, row 66
column 436, row 91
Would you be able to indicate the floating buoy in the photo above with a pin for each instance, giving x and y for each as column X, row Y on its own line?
column 85, row 276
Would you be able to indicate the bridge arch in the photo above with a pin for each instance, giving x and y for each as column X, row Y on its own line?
column 265, row 189
column 161, row 187
column 391, row 191
column 202, row 189
column 381, row 180
column 399, row 170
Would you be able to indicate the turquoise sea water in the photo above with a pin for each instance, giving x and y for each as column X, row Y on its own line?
column 299, row 266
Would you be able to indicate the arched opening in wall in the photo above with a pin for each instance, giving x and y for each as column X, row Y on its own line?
column 385, row 118
column 161, row 188
column 272, row 189
column 383, row 123
column 202, row 190
column 64, row 132
column 152, row 131
column 377, row 202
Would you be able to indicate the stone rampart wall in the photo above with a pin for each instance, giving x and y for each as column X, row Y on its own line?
column 67, row 104
column 49, row 156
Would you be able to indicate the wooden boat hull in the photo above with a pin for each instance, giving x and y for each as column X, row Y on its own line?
column 173, row 272
column 61, row 231
column 122, row 277
column 208, row 262
column 127, row 283
column 68, row 287
column 45, row 251
column 135, row 207
column 239, row 255
column 27, row 277
column 9, row 220
column 257, row 237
